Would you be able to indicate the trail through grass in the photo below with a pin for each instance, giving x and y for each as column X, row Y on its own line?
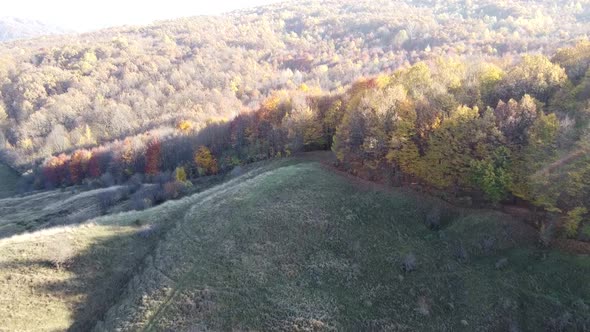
column 288, row 245
column 300, row 248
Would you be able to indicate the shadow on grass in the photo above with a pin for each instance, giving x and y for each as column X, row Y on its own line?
column 101, row 274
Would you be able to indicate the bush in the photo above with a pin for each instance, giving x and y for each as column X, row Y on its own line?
column 461, row 253
column 546, row 234
column 408, row 263
column 106, row 200
column 60, row 255
column 162, row 178
column 142, row 199
column 488, row 244
column 573, row 220
column 433, row 219
column 135, row 182
column 107, row 180
column 173, row 190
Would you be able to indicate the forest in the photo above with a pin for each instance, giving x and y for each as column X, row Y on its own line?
column 478, row 130
column 60, row 93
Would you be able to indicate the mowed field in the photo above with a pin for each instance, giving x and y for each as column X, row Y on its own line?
column 291, row 245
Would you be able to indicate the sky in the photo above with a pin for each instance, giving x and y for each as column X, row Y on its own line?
column 84, row 15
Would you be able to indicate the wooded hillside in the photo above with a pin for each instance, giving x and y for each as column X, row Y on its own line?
column 62, row 93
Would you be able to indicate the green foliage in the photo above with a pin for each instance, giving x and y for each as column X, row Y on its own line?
column 573, row 220
column 492, row 175
column 461, row 139
column 575, row 60
column 535, row 75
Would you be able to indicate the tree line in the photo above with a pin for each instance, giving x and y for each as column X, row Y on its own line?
column 486, row 130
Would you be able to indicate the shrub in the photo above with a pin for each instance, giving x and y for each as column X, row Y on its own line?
column 461, row 253
column 236, row 171
column 546, row 233
column 488, row 244
column 173, row 190
column 501, row 263
column 162, row 178
column 180, row 174
column 408, row 263
column 107, row 180
column 60, row 254
column 135, row 182
column 142, row 199
column 106, row 200
column 433, row 219
column 573, row 220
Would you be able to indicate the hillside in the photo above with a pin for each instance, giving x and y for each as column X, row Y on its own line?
column 66, row 92
column 15, row 28
column 9, row 181
column 291, row 245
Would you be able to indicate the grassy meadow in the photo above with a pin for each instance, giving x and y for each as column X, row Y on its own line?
column 290, row 245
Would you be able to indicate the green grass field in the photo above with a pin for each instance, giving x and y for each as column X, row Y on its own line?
column 8, row 180
column 291, row 245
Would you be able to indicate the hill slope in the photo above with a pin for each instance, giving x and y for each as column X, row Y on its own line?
column 9, row 180
column 298, row 247
column 292, row 245
column 12, row 28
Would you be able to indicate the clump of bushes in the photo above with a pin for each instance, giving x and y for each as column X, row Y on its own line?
column 408, row 262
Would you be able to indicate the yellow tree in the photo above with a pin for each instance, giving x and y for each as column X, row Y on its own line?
column 205, row 161
column 180, row 174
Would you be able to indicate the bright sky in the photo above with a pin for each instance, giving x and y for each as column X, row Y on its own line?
column 83, row 15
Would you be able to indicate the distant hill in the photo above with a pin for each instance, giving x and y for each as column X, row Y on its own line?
column 12, row 28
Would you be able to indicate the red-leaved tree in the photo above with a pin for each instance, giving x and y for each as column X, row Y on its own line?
column 152, row 158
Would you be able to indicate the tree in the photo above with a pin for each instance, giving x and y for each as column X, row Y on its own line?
column 530, row 175
column 534, row 75
column 205, row 161
column 573, row 220
column 492, row 174
column 514, row 119
column 180, row 174
column 575, row 60
column 185, row 126
column 58, row 140
column 87, row 137
column 3, row 114
column 153, row 157
column 460, row 140
column 55, row 170
column 79, row 165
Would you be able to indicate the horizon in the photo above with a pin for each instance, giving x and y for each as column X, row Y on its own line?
column 68, row 14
